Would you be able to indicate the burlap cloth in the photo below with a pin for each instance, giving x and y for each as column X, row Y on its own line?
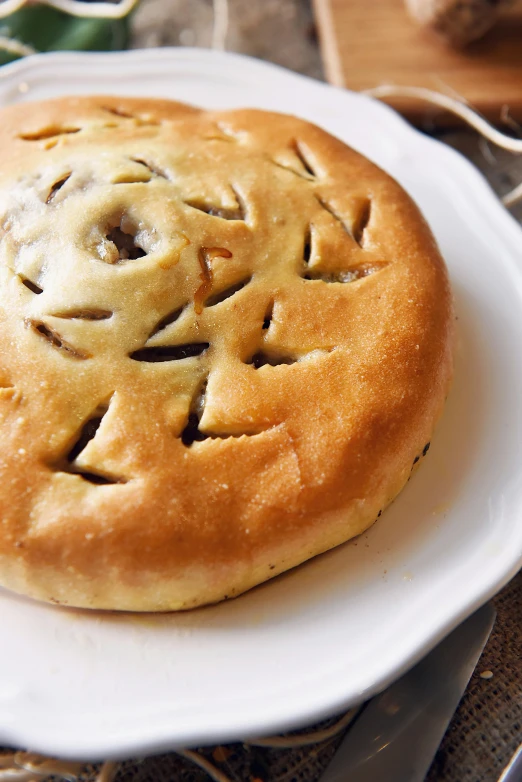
column 487, row 726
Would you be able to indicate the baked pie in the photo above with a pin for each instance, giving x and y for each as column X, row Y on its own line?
column 225, row 340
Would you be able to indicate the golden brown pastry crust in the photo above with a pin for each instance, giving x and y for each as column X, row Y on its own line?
column 132, row 227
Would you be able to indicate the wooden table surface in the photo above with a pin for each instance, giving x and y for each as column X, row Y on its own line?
column 369, row 43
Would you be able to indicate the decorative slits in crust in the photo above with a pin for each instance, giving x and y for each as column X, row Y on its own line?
column 298, row 161
column 122, row 114
column 151, row 167
column 170, row 352
column 30, row 285
column 125, row 243
column 367, row 262
column 347, row 275
column 361, row 223
column 49, row 136
column 56, row 187
column 227, row 293
column 227, row 280
column 268, row 356
column 55, row 339
column 357, row 229
column 172, row 317
column 48, row 133
column 263, row 359
column 85, row 314
column 268, row 316
column 192, row 432
column 270, row 353
column 206, row 294
column 237, row 212
column 85, row 435
column 332, row 211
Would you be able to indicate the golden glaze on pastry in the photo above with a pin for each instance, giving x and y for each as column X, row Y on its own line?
column 224, row 340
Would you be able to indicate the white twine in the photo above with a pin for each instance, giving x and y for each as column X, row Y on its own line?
column 220, row 26
column 29, row 767
column 213, row 772
column 513, row 197
column 13, row 46
column 460, row 108
column 107, row 772
column 306, row 739
column 78, row 8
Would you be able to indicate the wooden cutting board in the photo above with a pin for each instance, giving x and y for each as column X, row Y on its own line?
column 366, row 43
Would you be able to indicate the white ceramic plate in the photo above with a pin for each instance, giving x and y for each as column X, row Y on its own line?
column 338, row 629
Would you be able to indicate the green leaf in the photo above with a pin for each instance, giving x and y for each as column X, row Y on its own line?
column 47, row 30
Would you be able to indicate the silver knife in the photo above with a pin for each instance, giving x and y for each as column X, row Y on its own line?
column 398, row 733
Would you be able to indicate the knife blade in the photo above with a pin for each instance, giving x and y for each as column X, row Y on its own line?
column 513, row 770
column 399, row 731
